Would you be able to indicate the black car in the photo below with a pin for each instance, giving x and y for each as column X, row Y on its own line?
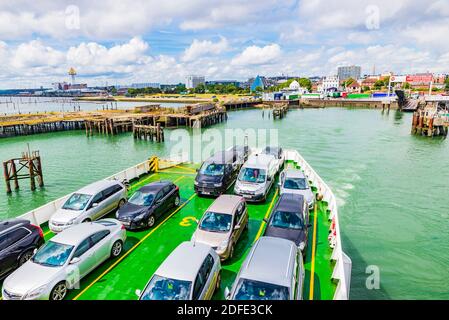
column 148, row 204
column 219, row 172
column 290, row 220
column 18, row 240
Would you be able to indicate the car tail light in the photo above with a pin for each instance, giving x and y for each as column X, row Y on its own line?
column 123, row 227
column 177, row 188
column 41, row 233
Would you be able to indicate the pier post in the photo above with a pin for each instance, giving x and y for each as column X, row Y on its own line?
column 6, row 174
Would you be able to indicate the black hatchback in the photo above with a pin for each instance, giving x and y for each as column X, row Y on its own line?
column 148, row 204
column 290, row 220
column 18, row 240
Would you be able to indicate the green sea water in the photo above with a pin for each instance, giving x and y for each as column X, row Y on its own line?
column 392, row 187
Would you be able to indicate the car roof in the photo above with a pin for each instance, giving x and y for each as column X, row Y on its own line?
column 155, row 186
column 222, row 157
column 271, row 260
column 12, row 223
column 225, row 203
column 290, row 202
column 259, row 161
column 294, row 173
column 95, row 187
column 184, row 262
column 74, row 235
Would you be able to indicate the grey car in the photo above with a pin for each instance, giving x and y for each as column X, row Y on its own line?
column 88, row 204
column 64, row 260
column 295, row 181
column 273, row 270
column 190, row 272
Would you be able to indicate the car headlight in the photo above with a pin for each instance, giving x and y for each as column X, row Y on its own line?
column 302, row 246
column 35, row 293
column 196, row 182
column 223, row 245
column 141, row 216
column 218, row 185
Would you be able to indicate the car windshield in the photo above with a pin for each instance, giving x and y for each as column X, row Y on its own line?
column 142, row 199
column 77, row 201
column 216, row 222
column 212, row 169
column 53, row 254
column 286, row 220
column 161, row 288
column 252, row 175
column 296, row 184
column 257, row 290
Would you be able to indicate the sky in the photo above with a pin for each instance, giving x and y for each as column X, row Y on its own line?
column 125, row 41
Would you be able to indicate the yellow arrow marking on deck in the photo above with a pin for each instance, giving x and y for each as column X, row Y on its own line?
column 132, row 249
column 312, row 269
column 187, row 221
column 267, row 214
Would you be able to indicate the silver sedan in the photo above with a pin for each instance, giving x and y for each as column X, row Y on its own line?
column 64, row 260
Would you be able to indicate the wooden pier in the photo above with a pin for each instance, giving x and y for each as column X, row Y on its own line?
column 431, row 121
column 112, row 122
column 146, row 132
column 27, row 167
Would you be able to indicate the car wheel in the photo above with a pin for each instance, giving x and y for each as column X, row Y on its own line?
column 177, row 200
column 86, row 220
column 59, row 291
column 121, row 204
column 116, row 249
column 151, row 221
column 25, row 257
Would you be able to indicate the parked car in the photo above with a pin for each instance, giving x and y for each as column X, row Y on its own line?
column 148, row 204
column 18, row 240
column 223, row 224
column 290, row 220
column 256, row 177
column 190, row 272
column 88, row 204
column 276, row 152
column 295, row 181
column 273, row 270
column 218, row 173
column 63, row 261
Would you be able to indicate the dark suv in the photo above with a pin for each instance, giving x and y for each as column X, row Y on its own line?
column 18, row 239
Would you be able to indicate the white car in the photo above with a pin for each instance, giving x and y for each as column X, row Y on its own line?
column 295, row 181
column 276, row 152
column 88, row 204
column 190, row 272
column 64, row 260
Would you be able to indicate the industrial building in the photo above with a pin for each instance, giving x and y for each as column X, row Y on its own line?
column 193, row 81
column 354, row 72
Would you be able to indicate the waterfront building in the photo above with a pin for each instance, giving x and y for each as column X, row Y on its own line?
column 329, row 84
column 257, row 82
column 224, row 82
column 192, row 81
column 347, row 72
column 144, row 85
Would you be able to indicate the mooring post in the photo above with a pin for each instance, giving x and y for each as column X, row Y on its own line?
column 40, row 177
column 31, row 169
column 6, row 174
column 14, row 174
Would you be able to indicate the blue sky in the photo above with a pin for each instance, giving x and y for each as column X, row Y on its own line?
column 125, row 41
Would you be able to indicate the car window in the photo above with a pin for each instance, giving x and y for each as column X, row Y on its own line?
column 159, row 195
column 13, row 236
column 97, row 198
column 82, row 248
column 167, row 190
column 207, row 266
column 109, row 192
column 198, row 287
column 97, row 237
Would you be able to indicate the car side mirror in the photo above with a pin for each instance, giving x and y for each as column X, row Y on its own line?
column 34, row 251
column 94, row 205
column 197, row 221
column 75, row 260
column 237, row 227
column 138, row 292
column 227, row 293
column 265, row 220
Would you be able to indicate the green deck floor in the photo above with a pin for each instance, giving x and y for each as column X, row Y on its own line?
column 146, row 250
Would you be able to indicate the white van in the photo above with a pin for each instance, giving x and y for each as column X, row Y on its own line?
column 256, row 177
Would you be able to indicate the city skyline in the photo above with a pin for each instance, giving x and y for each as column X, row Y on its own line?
column 121, row 42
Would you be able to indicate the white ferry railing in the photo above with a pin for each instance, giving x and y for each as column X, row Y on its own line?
column 43, row 214
column 343, row 264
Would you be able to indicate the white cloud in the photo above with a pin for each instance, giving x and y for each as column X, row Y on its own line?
column 35, row 54
column 255, row 55
column 201, row 48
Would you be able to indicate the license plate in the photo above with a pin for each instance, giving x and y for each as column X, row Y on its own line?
column 247, row 196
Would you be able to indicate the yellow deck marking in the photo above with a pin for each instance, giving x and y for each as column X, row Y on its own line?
column 267, row 214
column 312, row 269
column 132, row 249
column 178, row 172
column 143, row 181
column 184, row 168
